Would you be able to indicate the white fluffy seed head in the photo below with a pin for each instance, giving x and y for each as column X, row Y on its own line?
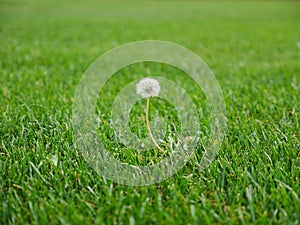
column 148, row 87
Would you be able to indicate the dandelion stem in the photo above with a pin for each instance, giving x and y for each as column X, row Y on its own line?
column 148, row 125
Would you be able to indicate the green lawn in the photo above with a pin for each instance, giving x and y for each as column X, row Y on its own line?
column 253, row 48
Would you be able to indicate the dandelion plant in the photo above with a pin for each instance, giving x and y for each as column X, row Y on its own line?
column 147, row 88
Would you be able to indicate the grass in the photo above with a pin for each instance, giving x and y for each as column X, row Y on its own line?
column 253, row 50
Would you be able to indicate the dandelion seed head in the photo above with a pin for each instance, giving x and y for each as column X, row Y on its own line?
column 148, row 87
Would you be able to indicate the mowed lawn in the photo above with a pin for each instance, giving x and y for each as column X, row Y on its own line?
column 253, row 48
